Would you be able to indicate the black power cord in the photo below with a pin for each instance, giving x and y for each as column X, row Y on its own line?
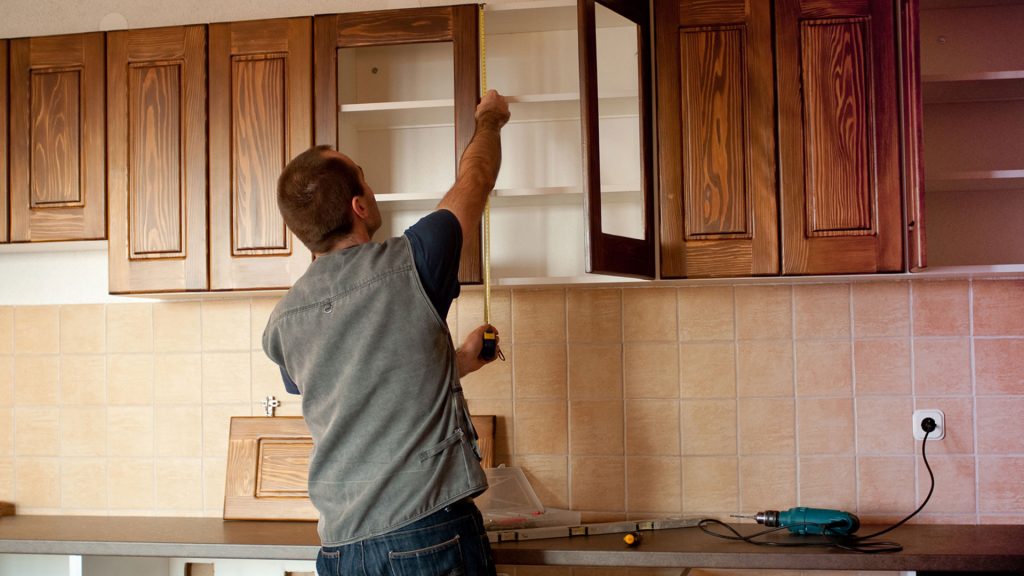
column 850, row 542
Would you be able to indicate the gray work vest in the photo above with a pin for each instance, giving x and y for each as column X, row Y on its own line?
column 375, row 363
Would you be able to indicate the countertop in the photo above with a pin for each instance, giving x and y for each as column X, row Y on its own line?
column 926, row 547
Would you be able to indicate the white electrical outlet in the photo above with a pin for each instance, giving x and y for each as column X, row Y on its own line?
column 940, row 424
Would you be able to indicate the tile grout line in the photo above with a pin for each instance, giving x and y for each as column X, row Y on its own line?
column 913, row 389
column 678, row 343
column 202, row 413
column 854, row 399
column 568, row 400
column 622, row 399
column 974, row 402
column 736, row 397
column 792, row 383
column 152, row 401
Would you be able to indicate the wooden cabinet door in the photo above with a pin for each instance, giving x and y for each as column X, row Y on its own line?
column 57, row 148
column 261, row 81
column 456, row 24
column 839, row 131
column 3, row 142
column 716, row 138
column 156, row 159
column 609, row 253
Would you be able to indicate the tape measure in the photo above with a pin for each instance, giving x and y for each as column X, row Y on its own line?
column 489, row 350
column 490, row 347
column 486, row 231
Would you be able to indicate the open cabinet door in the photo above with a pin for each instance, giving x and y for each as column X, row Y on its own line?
column 617, row 120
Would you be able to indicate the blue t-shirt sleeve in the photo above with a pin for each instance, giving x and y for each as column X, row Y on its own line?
column 436, row 242
column 289, row 385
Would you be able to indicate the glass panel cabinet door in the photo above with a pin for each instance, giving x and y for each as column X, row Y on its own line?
column 617, row 127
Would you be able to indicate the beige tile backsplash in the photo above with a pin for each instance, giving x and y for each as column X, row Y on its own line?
column 618, row 402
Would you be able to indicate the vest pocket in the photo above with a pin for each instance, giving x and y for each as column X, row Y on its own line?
column 443, row 445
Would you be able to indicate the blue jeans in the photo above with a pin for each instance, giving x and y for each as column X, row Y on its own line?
column 451, row 541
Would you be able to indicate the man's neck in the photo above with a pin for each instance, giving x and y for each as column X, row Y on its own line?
column 355, row 238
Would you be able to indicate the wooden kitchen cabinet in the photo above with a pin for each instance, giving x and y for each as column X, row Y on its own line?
column 156, row 159
column 396, row 91
column 261, row 81
column 57, row 138
column 831, row 118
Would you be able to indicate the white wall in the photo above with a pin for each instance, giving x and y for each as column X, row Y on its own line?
column 55, row 273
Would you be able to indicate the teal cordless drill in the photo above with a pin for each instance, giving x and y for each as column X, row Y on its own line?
column 809, row 520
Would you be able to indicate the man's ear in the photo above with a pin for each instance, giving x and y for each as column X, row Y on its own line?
column 359, row 207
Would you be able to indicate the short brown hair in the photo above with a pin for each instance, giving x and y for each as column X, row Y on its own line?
column 314, row 195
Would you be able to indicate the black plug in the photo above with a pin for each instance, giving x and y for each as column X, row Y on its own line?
column 928, row 425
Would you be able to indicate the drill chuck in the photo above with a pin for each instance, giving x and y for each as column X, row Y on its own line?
column 810, row 520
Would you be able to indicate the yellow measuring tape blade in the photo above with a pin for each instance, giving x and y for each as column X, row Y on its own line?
column 486, row 232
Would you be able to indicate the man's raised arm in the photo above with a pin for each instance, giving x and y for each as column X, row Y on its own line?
column 478, row 168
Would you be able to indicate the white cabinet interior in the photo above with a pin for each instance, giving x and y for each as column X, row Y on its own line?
column 397, row 119
column 972, row 74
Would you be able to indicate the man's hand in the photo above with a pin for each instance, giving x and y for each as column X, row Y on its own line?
column 492, row 111
column 467, row 357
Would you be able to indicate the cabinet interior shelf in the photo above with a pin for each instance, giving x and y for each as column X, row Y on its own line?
column 406, row 114
column 973, row 87
column 562, row 280
column 509, row 196
column 976, row 180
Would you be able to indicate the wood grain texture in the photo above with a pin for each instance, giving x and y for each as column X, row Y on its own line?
column 384, row 27
column 259, row 151
column 456, row 24
column 836, row 82
column 325, row 80
column 714, row 151
column 57, row 181
column 608, row 253
column 156, row 168
column 466, row 47
column 713, row 12
column 840, row 161
column 281, row 467
column 260, row 111
column 268, row 466
column 156, row 197
column 912, row 134
column 716, row 138
column 54, row 166
column 4, row 231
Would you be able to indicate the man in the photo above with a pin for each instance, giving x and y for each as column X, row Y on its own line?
column 362, row 336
